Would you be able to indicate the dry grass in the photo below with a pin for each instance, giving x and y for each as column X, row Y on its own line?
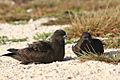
column 27, row 9
column 114, row 59
column 98, row 23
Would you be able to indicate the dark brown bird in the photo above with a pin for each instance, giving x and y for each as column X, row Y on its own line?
column 41, row 51
column 88, row 44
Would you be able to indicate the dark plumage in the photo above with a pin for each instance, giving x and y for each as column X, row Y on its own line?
column 41, row 51
column 88, row 44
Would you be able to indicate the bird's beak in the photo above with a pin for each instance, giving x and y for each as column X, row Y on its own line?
column 65, row 37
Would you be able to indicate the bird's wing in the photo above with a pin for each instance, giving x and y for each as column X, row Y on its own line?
column 41, row 52
column 41, row 46
column 99, row 45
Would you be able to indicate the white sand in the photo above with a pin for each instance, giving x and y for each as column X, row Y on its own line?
column 10, row 69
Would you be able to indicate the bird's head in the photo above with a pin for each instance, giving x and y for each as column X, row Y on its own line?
column 86, row 36
column 59, row 35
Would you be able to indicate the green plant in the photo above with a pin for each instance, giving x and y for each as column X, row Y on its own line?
column 41, row 36
column 112, row 42
column 18, row 40
column 70, row 41
column 5, row 40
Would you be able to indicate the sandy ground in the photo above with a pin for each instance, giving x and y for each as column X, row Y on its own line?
column 10, row 69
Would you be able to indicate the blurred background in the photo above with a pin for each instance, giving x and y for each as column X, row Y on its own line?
column 100, row 17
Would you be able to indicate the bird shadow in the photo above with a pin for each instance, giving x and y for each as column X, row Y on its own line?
column 67, row 58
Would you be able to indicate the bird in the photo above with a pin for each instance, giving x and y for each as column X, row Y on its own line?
column 88, row 44
column 41, row 51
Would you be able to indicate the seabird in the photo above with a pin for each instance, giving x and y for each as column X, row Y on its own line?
column 41, row 51
column 88, row 44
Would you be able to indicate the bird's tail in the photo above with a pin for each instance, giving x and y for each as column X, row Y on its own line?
column 9, row 54
column 13, row 55
column 12, row 50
